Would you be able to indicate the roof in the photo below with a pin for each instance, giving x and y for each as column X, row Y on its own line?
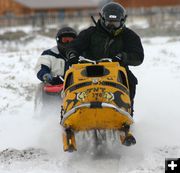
column 58, row 3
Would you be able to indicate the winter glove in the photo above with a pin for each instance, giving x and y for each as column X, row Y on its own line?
column 121, row 58
column 72, row 57
column 47, row 78
column 118, row 58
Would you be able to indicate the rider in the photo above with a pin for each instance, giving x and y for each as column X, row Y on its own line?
column 52, row 63
column 110, row 38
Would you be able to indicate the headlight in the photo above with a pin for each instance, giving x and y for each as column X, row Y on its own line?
column 108, row 96
column 81, row 96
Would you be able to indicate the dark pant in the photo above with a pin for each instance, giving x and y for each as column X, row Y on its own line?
column 132, row 87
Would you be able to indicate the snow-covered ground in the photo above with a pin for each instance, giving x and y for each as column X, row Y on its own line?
column 31, row 143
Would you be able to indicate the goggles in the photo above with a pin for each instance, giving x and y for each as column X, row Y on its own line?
column 110, row 23
column 67, row 39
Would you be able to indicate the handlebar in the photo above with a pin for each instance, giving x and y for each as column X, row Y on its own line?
column 85, row 60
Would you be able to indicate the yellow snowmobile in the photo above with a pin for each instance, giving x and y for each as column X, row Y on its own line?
column 95, row 97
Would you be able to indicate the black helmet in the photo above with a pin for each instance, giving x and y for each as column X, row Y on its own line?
column 65, row 32
column 112, row 16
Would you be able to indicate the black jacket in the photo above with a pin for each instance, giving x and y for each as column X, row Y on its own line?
column 96, row 43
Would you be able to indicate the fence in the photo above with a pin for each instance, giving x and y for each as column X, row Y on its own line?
column 42, row 19
column 158, row 17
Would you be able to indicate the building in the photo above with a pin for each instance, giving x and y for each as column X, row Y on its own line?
column 27, row 7
column 148, row 3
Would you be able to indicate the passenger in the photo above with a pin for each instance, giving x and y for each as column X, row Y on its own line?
column 52, row 63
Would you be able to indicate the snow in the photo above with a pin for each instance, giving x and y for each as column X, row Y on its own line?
column 26, row 29
column 137, row 22
column 32, row 143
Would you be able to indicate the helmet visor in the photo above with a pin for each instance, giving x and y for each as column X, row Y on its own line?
column 112, row 24
column 67, row 39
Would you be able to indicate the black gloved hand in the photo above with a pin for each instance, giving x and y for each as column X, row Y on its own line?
column 121, row 58
column 118, row 58
column 72, row 57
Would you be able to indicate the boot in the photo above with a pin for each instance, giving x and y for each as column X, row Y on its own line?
column 128, row 140
column 126, row 136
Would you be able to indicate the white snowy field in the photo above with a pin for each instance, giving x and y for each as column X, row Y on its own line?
column 32, row 144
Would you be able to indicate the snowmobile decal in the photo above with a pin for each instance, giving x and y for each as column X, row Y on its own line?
column 116, row 85
column 105, row 83
column 71, row 102
column 80, row 85
column 96, row 93
column 119, row 102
